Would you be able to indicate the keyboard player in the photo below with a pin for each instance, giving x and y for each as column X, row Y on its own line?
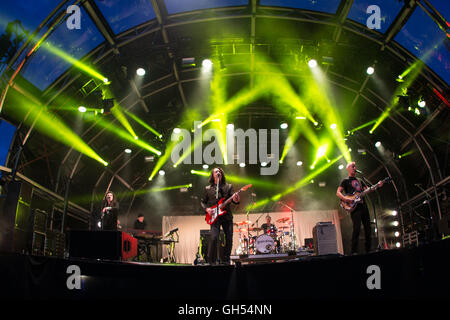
column 140, row 224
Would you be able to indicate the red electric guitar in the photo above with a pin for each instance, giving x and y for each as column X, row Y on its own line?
column 217, row 208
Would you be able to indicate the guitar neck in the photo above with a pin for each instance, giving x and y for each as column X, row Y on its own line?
column 230, row 198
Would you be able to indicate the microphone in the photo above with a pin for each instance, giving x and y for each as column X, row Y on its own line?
column 358, row 171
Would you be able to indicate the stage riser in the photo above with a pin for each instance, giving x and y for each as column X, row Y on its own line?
column 406, row 273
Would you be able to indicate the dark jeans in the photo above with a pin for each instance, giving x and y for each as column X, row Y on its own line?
column 361, row 215
column 227, row 226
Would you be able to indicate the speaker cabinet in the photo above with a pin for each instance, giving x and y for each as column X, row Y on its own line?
column 324, row 234
column 105, row 245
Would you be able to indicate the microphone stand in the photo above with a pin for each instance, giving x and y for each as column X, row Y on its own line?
column 294, row 238
column 429, row 207
column 374, row 211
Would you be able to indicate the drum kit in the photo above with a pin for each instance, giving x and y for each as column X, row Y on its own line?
column 279, row 239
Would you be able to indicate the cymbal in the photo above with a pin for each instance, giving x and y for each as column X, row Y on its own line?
column 283, row 220
column 256, row 229
column 283, row 227
column 244, row 222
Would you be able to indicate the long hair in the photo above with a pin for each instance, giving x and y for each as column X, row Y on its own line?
column 211, row 176
column 113, row 202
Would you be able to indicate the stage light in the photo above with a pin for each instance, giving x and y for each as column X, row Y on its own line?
column 205, row 166
column 127, row 150
column 394, row 213
column 106, row 81
column 81, row 109
column 312, row 63
column 299, row 163
column 162, row 172
column 311, row 167
column 378, row 144
column 398, row 244
column 176, row 130
column 397, row 234
column 263, row 164
column 316, row 124
column 284, row 125
column 370, row 70
column 242, row 164
column 341, row 166
column 230, row 126
column 421, row 103
column 333, row 126
column 140, row 72
column 207, row 64
column 417, row 111
column 395, row 223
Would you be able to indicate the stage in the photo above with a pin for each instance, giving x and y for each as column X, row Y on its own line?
column 407, row 273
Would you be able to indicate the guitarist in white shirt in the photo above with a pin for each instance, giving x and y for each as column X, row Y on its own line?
column 361, row 213
column 211, row 197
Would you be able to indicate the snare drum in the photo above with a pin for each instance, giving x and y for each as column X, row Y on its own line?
column 264, row 244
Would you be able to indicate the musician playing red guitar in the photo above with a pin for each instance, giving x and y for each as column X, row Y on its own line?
column 360, row 213
column 216, row 190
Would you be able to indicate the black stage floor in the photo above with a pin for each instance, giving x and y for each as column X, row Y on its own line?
column 410, row 273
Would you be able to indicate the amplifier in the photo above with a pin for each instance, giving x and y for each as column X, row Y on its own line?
column 324, row 235
column 105, row 245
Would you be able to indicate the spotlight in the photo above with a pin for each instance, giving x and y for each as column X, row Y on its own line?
column 205, row 166
column 397, row 234
column 140, row 72
column 394, row 213
column 263, row 164
column 207, row 64
column 127, row 150
column 230, row 126
column 395, row 223
column 162, row 172
column 378, row 144
column 312, row 63
column 398, row 244
column 333, row 126
column 311, row 167
column 242, row 164
column 421, row 103
column 299, row 163
column 188, row 62
column 341, row 167
column 176, row 130
column 284, row 125
column 106, row 81
column 370, row 70
column 81, row 109
column 136, row 138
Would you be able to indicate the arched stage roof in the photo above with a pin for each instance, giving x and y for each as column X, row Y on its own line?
column 249, row 43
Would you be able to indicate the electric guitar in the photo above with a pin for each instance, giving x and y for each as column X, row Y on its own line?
column 217, row 209
column 356, row 197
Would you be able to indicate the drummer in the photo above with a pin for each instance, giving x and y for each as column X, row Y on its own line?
column 269, row 228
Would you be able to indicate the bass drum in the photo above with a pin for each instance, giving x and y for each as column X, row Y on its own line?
column 264, row 244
